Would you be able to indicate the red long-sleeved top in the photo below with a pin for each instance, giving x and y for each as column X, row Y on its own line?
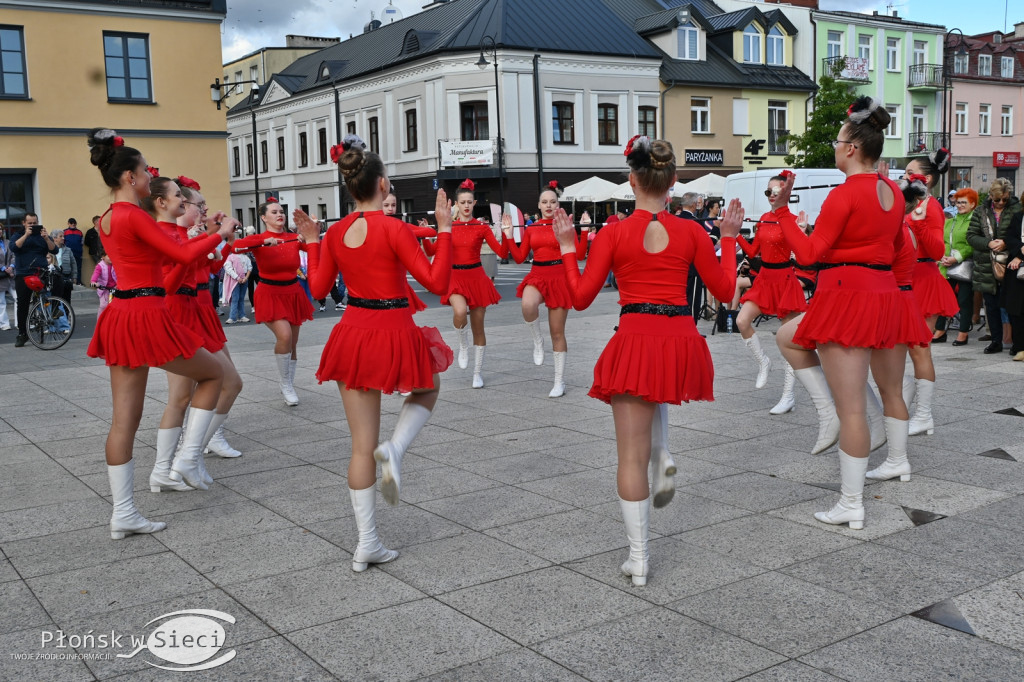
column 645, row 277
column 279, row 262
column 852, row 226
column 138, row 247
column 540, row 237
column 467, row 239
column 929, row 231
column 768, row 241
column 178, row 275
column 905, row 261
column 376, row 268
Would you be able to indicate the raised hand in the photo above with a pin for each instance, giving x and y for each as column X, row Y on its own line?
column 506, row 225
column 564, row 230
column 443, row 212
column 732, row 216
column 782, row 198
column 307, row 228
column 801, row 220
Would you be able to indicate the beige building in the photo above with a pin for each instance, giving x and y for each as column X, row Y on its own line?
column 142, row 68
column 260, row 65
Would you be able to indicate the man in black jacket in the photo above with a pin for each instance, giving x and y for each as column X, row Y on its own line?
column 30, row 247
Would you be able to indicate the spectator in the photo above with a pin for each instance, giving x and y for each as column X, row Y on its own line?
column 6, row 279
column 236, row 275
column 65, row 266
column 694, row 286
column 73, row 239
column 1014, row 297
column 959, row 250
column 986, row 236
column 93, row 244
column 950, row 209
column 30, row 247
column 104, row 280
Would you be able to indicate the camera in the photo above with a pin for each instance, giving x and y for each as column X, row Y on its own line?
column 36, row 229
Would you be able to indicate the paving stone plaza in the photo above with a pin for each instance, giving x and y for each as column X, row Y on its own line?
column 510, row 532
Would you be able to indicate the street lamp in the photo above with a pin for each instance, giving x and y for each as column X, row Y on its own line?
column 947, row 91
column 483, row 63
column 254, row 95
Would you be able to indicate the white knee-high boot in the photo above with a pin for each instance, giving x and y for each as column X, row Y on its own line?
column 765, row 363
column 636, row 516
column 909, row 386
column 160, row 478
column 896, row 462
column 850, row 508
column 369, row 550
column 284, row 361
column 126, row 519
column 187, row 464
column 558, row 390
column 292, row 364
column 214, row 443
column 663, row 467
column 813, row 379
column 538, row 342
column 411, row 419
column 463, row 356
column 478, row 366
column 788, row 400
column 922, row 421
column 876, row 422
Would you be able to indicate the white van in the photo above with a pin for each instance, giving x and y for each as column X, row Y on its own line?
column 809, row 192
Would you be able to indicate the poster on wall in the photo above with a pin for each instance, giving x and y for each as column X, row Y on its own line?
column 459, row 153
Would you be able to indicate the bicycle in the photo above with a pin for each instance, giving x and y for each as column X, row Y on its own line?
column 51, row 319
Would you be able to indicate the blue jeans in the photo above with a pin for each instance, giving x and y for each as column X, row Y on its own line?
column 237, row 302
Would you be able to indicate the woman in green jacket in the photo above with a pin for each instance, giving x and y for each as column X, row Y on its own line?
column 959, row 250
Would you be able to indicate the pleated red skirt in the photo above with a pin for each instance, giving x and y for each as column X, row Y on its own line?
column 909, row 326
column 476, row 287
column 550, row 282
column 932, row 291
column 186, row 311
column 274, row 302
column 658, row 358
column 383, row 350
column 212, row 326
column 854, row 307
column 140, row 332
column 777, row 293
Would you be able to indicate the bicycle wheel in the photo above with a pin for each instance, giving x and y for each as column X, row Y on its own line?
column 51, row 321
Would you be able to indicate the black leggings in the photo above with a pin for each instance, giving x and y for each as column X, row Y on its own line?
column 965, row 298
column 24, row 299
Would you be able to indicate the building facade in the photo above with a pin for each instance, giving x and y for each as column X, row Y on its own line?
column 258, row 66
column 128, row 72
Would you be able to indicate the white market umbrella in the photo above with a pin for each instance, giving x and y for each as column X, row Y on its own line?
column 709, row 185
column 591, row 190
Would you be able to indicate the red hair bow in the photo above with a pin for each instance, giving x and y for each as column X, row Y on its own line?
column 118, row 141
column 153, row 172
column 917, row 177
column 336, row 152
column 553, row 184
column 468, row 184
column 188, row 182
column 787, row 174
column 272, row 200
column 629, row 145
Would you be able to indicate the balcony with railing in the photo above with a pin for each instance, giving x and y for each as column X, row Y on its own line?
column 849, row 69
column 778, row 141
column 921, row 143
column 925, row 77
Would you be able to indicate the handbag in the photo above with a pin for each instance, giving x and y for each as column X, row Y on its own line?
column 998, row 259
column 962, row 271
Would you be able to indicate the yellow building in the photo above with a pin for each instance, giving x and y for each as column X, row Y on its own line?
column 260, row 65
column 141, row 67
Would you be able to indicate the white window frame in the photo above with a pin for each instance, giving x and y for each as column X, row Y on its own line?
column 918, row 115
column 867, row 48
column 961, row 115
column 752, row 45
column 961, row 64
column 254, row 75
column 1006, row 67
column 893, row 130
column 833, row 48
column 984, row 119
column 920, row 54
column 238, row 83
column 689, row 42
column 1006, row 120
column 702, row 124
column 775, row 44
column 984, row 65
column 892, row 54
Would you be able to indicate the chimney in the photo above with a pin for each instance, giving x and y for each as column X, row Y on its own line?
column 309, row 41
column 1018, row 30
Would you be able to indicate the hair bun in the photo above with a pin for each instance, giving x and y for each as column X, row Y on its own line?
column 352, row 141
column 868, row 110
column 553, row 186
column 638, row 152
column 468, row 184
column 184, row 181
column 941, row 159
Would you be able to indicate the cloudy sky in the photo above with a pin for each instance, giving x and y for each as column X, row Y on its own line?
column 252, row 24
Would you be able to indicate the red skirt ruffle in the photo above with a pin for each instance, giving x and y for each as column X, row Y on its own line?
column 660, row 359
column 274, row 302
column 383, row 350
column 550, row 282
column 932, row 291
column 777, row 293
column 415, row 302
column 188, row 312
column 140, row 332
column 476, row 287
column 854, row 307
column 909, row 327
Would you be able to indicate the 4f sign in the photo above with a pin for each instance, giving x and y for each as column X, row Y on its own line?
column 190, row 640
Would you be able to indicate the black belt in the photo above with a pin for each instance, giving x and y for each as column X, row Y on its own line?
column 205, row 286
column 470, row 266
column 777, row 266
column 279, row 282
column 186, row 291
column 543, row 263
column 379, row 303
column 871, row 266
column 138, row 293
column 655, row 309
column 925, row 260
column 906, row 287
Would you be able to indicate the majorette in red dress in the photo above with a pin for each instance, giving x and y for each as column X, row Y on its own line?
column 183, row 301
column 659, row 358
column 380, row 348
column 140, row 331
column 932, row 291
column 776, row 290
column 278, row 296
column 545, row 274
column 854, row 241
column 468, row 277
column 909, row 325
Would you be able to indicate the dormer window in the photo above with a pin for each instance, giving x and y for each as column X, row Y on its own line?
column 751, row 45
column 687, row 41
column 325, row 72
column 776, row 47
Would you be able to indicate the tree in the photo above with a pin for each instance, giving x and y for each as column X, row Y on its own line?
column 813, row 149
